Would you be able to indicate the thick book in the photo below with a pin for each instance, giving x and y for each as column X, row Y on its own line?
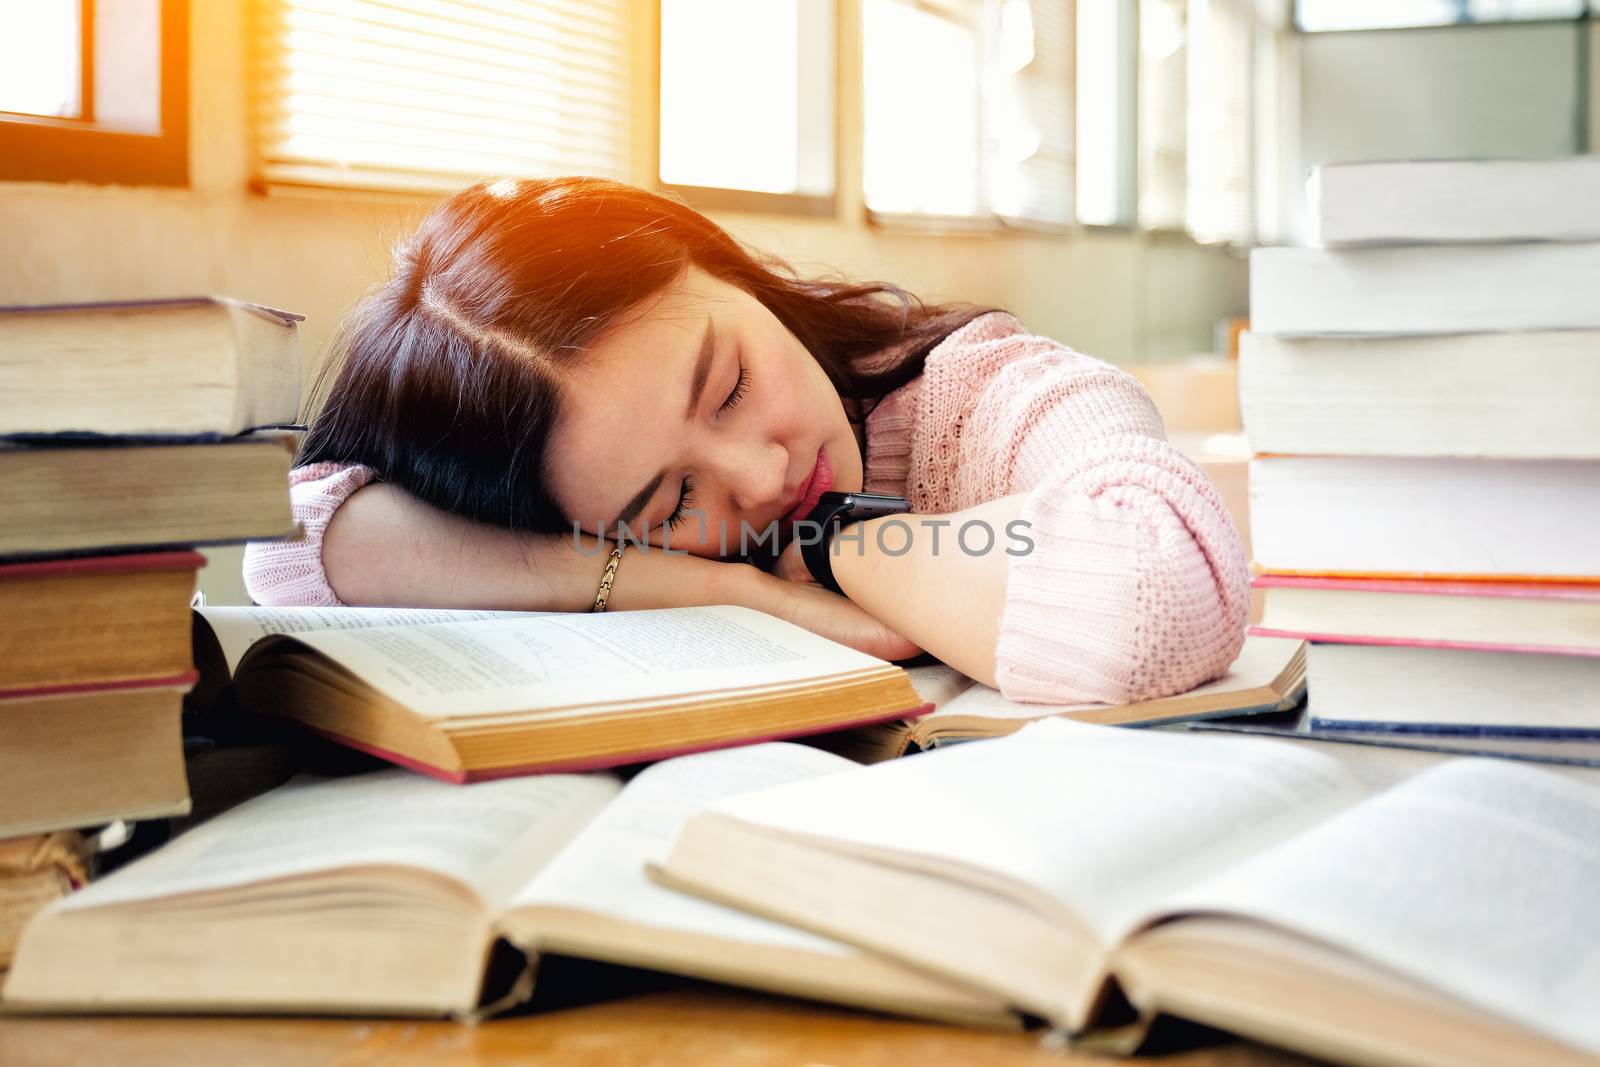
column 35, row 870
column 1425, row 289
column 1424, row 689
column 1352, row 903
column 387, row 893
column 88, row 756
column 97, row 620
column 1268, row 675
column 194, row 365
column 108, row 494
column 1503, row 395
column 1546, row 617
column 1378, row 516
column 483, row 698
column 1454, row 200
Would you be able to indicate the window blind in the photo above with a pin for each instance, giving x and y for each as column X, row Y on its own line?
column 1222, row 37
column 433, row 95
column 969, row 108
column 1032, row 116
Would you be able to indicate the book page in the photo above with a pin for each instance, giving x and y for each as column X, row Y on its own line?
column 488, row 835
column 1478, row 878
column 603, row 869
column 565, row 664
column 1259, row 664
column 1108, row 821
column 939, row 683
column 237, row 628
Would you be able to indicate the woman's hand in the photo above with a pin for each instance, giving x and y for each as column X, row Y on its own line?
column 806, row 604
column 791, row 566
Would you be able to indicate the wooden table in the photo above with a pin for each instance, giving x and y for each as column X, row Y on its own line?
column 685, row 1024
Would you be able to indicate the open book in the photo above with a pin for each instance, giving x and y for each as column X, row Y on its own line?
column 1372, row 905
column 495, row 694
column 387, row 893
column 1269, row 675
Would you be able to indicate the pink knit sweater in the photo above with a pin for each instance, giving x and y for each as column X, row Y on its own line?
column 1136, row 586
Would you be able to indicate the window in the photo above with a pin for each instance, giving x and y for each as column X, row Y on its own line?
column 1219, row 170
column 921, row 91
column 94, row 92
column 757, row 118
column 968, row 109
column 1163, row 113
column 433, row 95
column 1209, row 102
column 1107, row 63
column 1315, row 15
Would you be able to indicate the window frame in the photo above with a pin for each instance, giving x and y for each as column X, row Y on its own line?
column 36, row 148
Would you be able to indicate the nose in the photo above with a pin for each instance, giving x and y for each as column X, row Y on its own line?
column 756, row 475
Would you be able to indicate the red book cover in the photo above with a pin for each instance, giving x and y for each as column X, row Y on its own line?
column 183, row 560
column 1434, row 587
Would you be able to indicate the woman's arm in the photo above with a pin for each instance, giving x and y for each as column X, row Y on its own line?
column 386, row 547
column 1133, row 583
column 947, row 600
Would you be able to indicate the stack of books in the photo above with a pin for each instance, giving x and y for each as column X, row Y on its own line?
column 1422, row 395
column 122, row 446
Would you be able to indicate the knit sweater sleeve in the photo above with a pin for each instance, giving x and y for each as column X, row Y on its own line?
column 1136, row 584
column 290, row 573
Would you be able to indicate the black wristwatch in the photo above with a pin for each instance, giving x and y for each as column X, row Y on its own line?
column 833, row 512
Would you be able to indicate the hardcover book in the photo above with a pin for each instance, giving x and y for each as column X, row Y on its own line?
column 190, row 365
column 466, row 699
column 387, row 893
column 1267, row 887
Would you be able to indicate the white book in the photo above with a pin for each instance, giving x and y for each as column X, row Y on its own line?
column 1425, row 289
column 1379, row 516
column 387, row 893
column 1514, row 395
column 1454, row 200
column 1355, row 903
column 1453, row 691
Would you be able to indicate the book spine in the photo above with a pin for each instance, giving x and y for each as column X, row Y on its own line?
column 183, row 681
column 1548, row 733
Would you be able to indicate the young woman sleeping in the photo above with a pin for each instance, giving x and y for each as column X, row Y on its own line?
column 553, row 357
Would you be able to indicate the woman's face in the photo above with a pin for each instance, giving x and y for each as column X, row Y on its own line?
column 637, row 442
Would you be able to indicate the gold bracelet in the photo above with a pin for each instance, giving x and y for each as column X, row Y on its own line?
column 608, row 577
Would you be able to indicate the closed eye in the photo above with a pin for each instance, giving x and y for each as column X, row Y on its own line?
column 738, row 389
column 680, row 512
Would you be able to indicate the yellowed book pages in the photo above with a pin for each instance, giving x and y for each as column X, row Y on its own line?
column 384, row 893
column 1463, row 883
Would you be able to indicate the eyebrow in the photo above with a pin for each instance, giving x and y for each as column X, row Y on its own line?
column 697, row 388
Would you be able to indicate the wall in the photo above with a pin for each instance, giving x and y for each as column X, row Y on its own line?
column 1453, row 91
column 1120, row 296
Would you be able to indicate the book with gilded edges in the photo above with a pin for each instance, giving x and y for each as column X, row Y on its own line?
column 1349, row 902
column 388, row 892
column 180, row 366
column 105, row 494
column 1268, row 675
column 518, row 693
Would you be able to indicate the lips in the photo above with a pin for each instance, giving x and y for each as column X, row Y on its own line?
column 816, row 484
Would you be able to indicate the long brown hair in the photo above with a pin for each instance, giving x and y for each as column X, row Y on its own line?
column 447, row 378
